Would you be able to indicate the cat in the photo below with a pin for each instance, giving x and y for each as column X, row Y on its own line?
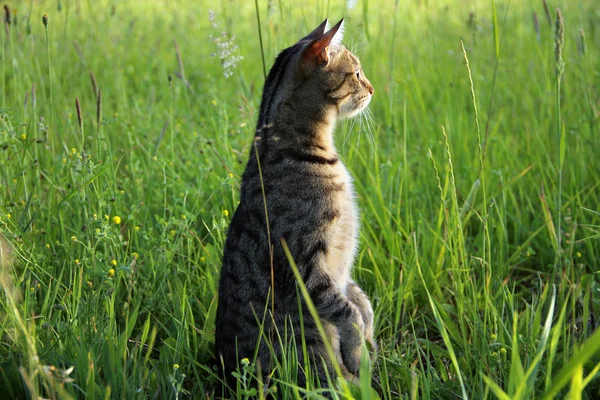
column 295, row 177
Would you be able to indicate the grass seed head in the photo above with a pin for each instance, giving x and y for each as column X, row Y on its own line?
column 536, row 23
column 33, row 96
column 45, row 20
column 99, row 106
column 94, row 83
column 582, row 47
column 79, row 116
column 559, row 41
column 547, row 12
column 7, row 19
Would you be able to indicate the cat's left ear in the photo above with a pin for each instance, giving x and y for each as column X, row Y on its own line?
column 317, row 52
column 318, row 32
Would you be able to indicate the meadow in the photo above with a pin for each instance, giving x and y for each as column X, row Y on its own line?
column 125, row 127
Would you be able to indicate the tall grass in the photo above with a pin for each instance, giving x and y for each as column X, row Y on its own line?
column 479, row 196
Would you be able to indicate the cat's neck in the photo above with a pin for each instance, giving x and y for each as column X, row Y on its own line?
column 305, row 127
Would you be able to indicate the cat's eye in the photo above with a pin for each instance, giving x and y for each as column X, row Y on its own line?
column 358, row 74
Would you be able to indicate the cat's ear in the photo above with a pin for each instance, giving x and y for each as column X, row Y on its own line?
column 318, row 32
column 339, row 33
column 317, row 52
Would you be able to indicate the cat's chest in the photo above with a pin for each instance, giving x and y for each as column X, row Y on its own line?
column 342, row 234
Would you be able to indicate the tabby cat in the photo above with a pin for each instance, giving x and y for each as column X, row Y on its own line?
column 294, row 177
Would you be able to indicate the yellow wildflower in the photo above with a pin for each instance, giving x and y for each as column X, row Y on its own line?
column 77, row 262
column 226, row 213
column 74, row 238
column 116, row 219
column 137, row 228
column 89, row 283
column 111, row 272
column 23, row 136
column 73, row 150
column 175, row 366
column 113, row 262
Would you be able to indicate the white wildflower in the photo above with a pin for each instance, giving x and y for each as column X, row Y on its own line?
column 226, row 48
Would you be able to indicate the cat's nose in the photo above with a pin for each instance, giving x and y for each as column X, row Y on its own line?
column 371, row 90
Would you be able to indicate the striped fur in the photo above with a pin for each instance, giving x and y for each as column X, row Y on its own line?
column 310, row 203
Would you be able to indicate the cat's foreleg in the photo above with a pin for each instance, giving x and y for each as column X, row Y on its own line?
column 334, row 307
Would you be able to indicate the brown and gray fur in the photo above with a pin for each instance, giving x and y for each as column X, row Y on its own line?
column 310, row 204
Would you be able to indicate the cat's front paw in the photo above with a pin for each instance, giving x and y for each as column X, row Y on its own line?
column 350, row 343
column 351, row 357
column 360, row 300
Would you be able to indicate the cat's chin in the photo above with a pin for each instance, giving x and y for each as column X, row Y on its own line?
column 355, row 109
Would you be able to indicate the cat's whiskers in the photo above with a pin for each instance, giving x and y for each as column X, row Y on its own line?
column 360, row 129
column 353, row 43
column 352, row 123
column 365, row 119
column 371, row 126
column 365, row 123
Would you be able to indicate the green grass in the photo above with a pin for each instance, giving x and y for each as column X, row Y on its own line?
column 477, row 293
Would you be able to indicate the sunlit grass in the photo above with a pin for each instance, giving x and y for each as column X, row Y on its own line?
column 471, row 179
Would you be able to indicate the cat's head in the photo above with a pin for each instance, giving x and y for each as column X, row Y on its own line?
column 320, row 71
